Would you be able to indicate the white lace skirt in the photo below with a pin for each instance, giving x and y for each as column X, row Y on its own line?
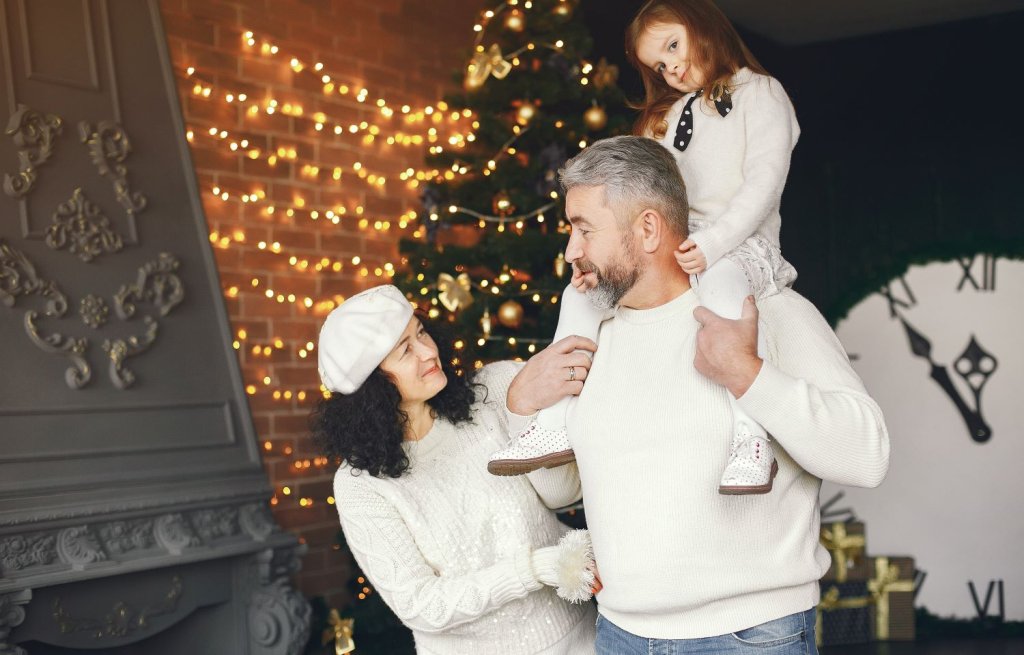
column 762, row 262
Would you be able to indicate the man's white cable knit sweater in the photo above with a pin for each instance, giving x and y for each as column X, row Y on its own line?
column 679, row 560
column 448, row 545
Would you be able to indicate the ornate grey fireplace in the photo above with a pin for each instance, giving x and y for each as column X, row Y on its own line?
column 133, row 513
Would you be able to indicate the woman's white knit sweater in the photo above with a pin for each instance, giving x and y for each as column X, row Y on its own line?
column 448, row 545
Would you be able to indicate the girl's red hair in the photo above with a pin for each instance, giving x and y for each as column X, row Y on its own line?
column 715, row 48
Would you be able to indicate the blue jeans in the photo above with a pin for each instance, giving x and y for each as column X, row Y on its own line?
column 790, row 635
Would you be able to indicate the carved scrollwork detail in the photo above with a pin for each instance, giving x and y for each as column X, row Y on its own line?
column 78, row 547
column 12, row 614
column 256, row 521
column 119, row 350
column 33, row 133
column 109, row 146
column 79, row 225
column 278, row 614
column 121, row 537
column 94, row 311
column 173, row 534
column 20, row 552
column 156, row 284
column 215, row 523
column 18, row 278
column 122, row 619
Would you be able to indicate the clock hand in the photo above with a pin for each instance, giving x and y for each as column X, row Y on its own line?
column 921, row 347
column 975, row 366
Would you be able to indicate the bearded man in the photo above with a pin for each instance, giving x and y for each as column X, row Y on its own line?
column 651, row 427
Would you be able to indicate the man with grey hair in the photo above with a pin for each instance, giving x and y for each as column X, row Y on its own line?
column 651, row 427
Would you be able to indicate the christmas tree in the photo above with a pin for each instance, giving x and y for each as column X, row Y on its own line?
column 490, row 257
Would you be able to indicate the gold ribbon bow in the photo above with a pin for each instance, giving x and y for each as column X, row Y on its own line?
column 340, row 632
column 830, row 600
column 887, row 580
column 604, row 74
column 485, row 63
column 454, row 292
column 842, row 546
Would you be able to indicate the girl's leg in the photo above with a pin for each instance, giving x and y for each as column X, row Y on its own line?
column 545, row 443
column 576, row 316
column 722, row 289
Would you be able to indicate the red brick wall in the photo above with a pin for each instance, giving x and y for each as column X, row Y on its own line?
column 402, row 51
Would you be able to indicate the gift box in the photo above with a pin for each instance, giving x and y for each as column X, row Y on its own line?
column 892, row 589
column 846, row 543
column 844, row 615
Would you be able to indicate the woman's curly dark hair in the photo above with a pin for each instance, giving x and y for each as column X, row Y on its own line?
column 366, row 428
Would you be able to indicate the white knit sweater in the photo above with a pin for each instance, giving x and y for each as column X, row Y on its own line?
column 651, row 434
column 448, row 545
column 735, row 166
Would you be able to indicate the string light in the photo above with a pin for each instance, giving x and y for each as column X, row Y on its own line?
column 332, row 215
column 332, row 81
column 309, row 168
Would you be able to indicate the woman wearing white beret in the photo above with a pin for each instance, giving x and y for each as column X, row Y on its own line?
column 470, row 562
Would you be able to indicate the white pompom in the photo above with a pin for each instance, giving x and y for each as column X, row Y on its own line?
column 575, row 567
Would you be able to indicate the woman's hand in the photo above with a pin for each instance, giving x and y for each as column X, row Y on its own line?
column 552, row 374
column 597, row 586
column 690, row 258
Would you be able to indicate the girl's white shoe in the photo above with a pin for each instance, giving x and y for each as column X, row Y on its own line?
column 533, row 448
column 752, row 467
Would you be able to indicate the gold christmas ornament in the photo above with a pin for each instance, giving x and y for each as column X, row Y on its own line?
column 454, row 292
column 485, row 323
column 502, row 204
column 560, row 264
column 486, row 63
column 604, row 74
column 526, row 113
column 515, row 21
column 510, row 314
column 595, row 118
column 339, row 631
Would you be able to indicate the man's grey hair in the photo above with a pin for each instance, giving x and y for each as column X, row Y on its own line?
column 637, row 173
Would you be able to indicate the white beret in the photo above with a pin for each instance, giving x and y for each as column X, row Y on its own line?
column 359, row 334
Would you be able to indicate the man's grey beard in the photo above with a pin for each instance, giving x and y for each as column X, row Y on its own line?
column 605, row 295
column 615, row 282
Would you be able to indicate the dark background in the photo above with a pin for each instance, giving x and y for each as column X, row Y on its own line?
column 909, row 151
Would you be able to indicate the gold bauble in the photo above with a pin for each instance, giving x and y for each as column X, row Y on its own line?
column 515, row 21
column 502, row 204
column 526, row 113
column 595, row 118
column 560, row 264
column 510, row 314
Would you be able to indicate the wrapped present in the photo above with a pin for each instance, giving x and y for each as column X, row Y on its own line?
column 844, row 614
column 845, row 541
column 892, row 588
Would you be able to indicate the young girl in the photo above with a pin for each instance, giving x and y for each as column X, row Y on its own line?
column 732, row 129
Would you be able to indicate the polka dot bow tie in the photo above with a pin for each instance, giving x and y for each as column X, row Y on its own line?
column 684, row 130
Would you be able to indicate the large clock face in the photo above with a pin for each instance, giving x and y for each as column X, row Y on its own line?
column 940, row 350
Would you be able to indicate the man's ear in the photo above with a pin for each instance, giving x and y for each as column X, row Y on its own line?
column 653, row 230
